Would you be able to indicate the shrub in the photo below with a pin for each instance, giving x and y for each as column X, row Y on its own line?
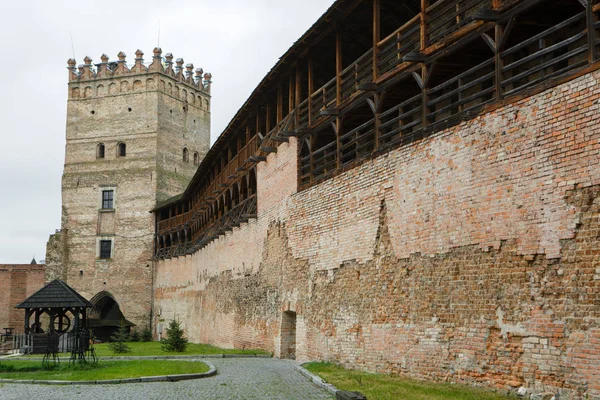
column 146, row 334
column 135, row 336
column 175, row 341
column 118, row 340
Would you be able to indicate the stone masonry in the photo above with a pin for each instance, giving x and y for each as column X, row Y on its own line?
column 154, row 113
column 470, row 256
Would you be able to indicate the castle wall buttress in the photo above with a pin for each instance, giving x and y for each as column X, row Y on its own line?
column 470, row 256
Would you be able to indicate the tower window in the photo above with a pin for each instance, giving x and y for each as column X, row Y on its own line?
column 121, row 150
column 186, row 155
column 196, row 158
column 100, row 151
column 108, row 199
column 105, row 249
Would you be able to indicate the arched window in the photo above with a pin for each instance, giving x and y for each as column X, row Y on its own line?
column 121, row 150
column 186, row 155
column 100, row 150
column 196, row 158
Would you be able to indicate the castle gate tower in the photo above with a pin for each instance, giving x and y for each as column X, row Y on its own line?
column 135, row 136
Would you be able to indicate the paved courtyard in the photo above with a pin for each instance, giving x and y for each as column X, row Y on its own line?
column 237, row 378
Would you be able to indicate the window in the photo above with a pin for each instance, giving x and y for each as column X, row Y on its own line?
column 107, row 199
column 105, row 249
column 196, row 158
column 186, row 155
column 100, row 151
column 121, row 150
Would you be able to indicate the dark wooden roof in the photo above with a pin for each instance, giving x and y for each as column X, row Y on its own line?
column 56, row 294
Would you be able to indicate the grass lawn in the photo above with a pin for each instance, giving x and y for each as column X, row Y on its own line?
column 385, row 387
column 154, row 349
column 103, row 370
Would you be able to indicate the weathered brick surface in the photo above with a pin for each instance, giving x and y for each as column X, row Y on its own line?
column 469, row 256
column 17, row 282
column 156, row 115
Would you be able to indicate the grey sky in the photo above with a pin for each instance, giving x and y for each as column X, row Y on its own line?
column 237, row 41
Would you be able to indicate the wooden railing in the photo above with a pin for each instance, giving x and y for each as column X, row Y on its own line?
column 463, row 92
column 361, row 71
column 393, row 48
column 398, row 123
column 444, row 17
column 358, row 142
column 323, row 98
column 550, row 53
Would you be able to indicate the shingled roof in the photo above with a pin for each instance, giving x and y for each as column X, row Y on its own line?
column 56, row 294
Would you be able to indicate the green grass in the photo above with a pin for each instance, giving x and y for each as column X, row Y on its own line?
column 103, row 370
column 385, row 387
column 154, row 349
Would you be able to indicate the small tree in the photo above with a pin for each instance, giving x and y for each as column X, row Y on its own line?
column 135, row 336
column 146, row 334
column 175, row 341
column 118, row 340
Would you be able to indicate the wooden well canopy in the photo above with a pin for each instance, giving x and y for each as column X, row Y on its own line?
column 56, row 299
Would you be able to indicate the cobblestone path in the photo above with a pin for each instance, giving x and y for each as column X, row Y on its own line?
column 237, row 378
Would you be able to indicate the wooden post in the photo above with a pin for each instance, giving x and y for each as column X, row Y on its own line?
column 27, row 313
column 376, row 36
column 591, row 31
column 298, row 95
column 279, row 103
column 499, row 33
column 258, row 124
column 338, row 67
column 424, row 71
column 268, row 122
column 424, row 6
column 291, row 95
column 376, row 121
column 310, row 89
column 338, row 93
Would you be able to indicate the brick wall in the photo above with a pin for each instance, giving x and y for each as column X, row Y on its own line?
column 17, row 282
column 470, row 256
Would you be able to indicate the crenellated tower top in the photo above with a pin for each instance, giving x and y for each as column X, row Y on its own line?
column 109, row 69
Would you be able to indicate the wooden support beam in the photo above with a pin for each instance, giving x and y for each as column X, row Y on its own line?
column 486, row 14
column 591, row 31
column 376, row 36
column 414, row 56
column 298, row 94
column 268, row 118
column 268, row 149
column 423, row 24
column 338, row 67
column 367, row 87
column 329, row 111
column 279, row 103
column 280, row 139
column 291, row 91
column 257, row 159
column 499, row 38
column 311, row 85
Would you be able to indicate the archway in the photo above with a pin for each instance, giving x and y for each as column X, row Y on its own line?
column 288, row 335
column 106, row 317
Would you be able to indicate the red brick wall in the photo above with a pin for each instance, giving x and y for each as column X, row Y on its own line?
column 17, row 282
column 470, row 256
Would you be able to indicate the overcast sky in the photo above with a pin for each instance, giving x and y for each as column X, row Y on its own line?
column 238, row 41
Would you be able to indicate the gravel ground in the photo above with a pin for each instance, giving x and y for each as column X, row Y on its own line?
column 237, row 378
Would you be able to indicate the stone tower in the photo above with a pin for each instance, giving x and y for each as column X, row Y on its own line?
column 135, row 136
